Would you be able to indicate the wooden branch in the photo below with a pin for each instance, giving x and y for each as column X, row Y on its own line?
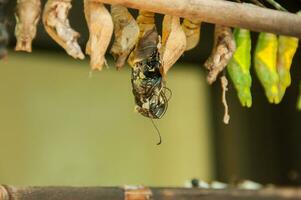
column 115, row 193
column 223, row 12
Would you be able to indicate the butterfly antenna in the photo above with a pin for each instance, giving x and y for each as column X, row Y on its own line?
column 158, row 131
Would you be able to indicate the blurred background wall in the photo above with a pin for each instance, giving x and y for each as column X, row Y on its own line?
column 61, row 127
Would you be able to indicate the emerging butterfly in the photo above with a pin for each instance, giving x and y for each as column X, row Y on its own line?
column 147, row 81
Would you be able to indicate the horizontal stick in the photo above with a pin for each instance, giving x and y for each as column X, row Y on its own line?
column 116, row 193
column 223, row 12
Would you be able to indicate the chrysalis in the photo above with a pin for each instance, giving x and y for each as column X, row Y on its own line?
column 265, row 65
column 173, row 42
column 27, row 17
column 126, row 31
column 192, row 29
column 3, row 29
column 287, row 47
column 239, row 66
column 101, row 27
column 56, row 23
column 224, row 48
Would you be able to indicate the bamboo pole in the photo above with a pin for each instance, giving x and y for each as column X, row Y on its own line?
column 116, row 193
column 223, row 12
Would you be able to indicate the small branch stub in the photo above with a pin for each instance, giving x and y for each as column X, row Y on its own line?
column 137, row 193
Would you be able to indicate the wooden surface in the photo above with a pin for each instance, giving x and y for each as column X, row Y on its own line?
column 117, row 193
column 226, row 13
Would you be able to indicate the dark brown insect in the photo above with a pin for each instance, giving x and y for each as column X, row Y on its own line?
column 3, row 29
column 147, row 82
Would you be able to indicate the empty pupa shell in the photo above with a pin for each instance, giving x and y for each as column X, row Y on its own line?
column 173, row 42
column 27, row 17
column 126, row 31
column 192, row 30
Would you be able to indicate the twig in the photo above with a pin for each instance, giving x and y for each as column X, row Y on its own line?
column 230, row 14
column 116, row 193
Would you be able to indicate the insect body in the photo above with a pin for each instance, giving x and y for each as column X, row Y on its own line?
column 101, row 27
column 126, row 31
column 239, row 66
column 192, row 29
column 3, row 29
column 265, row 65
column 147, row 82
column 58, row 27
column 173, row 42
column 27, row 17
column 224, row 48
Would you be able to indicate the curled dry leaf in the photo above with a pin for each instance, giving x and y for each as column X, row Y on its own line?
column 173, row 42
column 3, row 29
column 55, row 19
column 101, row 28
column 27, row 17
column 126, row 31
column 224, row 48
column 192, row 29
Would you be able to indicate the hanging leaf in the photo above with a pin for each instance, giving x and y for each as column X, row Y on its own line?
column 239, row 66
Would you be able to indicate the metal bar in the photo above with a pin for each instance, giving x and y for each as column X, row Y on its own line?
column 225, row 13
column 118, row 193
